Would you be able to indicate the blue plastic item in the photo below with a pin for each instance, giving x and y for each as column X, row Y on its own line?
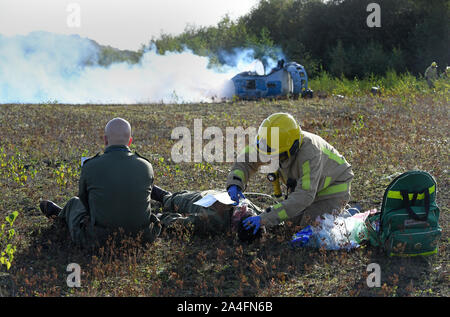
column 302, row 237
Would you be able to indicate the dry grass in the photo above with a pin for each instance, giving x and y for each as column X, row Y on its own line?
column 379, row 136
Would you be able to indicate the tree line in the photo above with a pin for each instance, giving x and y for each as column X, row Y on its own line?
column 330, row 36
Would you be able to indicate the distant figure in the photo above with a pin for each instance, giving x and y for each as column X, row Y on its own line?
column 431, row 74
column 114, row 193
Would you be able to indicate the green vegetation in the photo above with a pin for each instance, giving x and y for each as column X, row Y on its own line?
column 332, row 36
column 404, row 128
column 107, row 55
column 392, row 84
column 331, row 39
column 7, row 249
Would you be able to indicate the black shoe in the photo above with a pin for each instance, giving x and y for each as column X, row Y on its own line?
column 49, row 208
column 159, row 193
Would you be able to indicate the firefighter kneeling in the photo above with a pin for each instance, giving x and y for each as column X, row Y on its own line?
column 318, row 178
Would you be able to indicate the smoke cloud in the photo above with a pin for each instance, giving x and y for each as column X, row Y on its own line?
column 46, row 67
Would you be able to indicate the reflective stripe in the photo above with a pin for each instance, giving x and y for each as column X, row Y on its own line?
column 435, row 251
column 327, row 182
column 306, row 178
column 333, row 189
column 398, row 195
column 282, row 215
column 239, row 174
column 279, row 205
column 334, row 156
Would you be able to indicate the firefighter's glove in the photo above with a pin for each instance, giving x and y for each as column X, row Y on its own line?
column 253, row 222
column 235, row 194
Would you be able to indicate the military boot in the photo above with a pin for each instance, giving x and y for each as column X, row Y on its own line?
column 159, row 193
column 49, row 208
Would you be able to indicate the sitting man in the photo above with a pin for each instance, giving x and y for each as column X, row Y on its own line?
column 180, row 208
column 114, row 193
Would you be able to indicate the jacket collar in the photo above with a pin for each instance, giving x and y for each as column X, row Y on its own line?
column 115, row 148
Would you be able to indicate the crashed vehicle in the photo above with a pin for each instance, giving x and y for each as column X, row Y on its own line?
column 288, row 79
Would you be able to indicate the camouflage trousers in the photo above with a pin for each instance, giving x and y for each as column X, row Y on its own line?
column 85, row 234
column 179, row 208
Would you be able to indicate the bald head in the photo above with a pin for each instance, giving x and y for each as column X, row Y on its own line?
column 118, row 132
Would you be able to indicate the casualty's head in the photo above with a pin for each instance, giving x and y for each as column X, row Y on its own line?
column 279, row 134
column 118, row 132
column 241, row 213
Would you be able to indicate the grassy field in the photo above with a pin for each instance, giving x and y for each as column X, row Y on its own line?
column 40, row 150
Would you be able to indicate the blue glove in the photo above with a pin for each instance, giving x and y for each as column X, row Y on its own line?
column 253, row 222
column 235, row 193
column 301, row 238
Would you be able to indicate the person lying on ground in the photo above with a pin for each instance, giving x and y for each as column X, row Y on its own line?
column 114, row 193
column 180, row 208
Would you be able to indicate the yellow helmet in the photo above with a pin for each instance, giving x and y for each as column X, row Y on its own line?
column 434, row 64
column 279, row 134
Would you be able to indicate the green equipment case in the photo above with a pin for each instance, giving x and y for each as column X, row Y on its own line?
column 408, row 222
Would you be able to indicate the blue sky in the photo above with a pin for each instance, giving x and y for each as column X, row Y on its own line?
column 125, row 24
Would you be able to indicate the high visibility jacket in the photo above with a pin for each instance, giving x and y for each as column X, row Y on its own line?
column 431, row 73
column 316, row 172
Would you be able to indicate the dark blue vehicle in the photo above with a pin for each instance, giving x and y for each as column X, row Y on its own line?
column 288, row 79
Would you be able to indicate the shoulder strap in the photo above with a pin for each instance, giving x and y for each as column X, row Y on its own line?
column 407, row 205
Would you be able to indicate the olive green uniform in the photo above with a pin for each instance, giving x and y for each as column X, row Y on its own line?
column 114, row 193
column 180, row 208
column 319, row 178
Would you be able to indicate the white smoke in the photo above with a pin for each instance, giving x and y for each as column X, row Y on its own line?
column 42, row 67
